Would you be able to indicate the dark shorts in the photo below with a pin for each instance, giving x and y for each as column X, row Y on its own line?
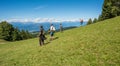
column 51, row 33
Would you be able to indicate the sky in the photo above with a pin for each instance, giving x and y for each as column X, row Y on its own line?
column 49, row 10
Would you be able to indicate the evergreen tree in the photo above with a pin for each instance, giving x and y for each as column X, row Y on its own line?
column 89, row 21
column 100, row 18
column 29, row 35
column 111, row 8
column 95, row 20
column 16, row 35
column 6, row 31
column 0, row 31
column 9, row 33
column 23, row 34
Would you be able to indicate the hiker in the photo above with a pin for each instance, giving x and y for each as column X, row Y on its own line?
column 61, row 27
column 41, row 36
column 52, row 30
column 81, row 21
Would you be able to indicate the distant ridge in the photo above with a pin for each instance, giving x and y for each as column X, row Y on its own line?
column 31, row 26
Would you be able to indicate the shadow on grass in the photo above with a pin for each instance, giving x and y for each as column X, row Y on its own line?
column 51, row 41
column 55, row 38
column 47, row 43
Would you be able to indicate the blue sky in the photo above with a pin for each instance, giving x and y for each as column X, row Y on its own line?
column 49, row 10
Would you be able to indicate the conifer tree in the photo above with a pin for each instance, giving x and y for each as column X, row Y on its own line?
column 89, row 21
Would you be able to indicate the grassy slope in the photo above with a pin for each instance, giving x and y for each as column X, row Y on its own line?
column 96, row 44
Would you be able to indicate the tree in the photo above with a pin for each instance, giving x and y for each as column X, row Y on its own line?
column 29, row 35
column 6, row 31
column 95, row 20
column 89, row 21
column 9, row 33
column 0, row 31
column 16, row 35
column 23, row 34
column 100, row 18
column 110, row 9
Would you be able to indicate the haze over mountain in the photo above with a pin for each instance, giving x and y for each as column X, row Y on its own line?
column 32, row 26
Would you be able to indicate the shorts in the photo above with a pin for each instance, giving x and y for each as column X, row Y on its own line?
column 51, row 33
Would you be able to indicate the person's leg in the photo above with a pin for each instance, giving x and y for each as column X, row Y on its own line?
column 40, row 41
column 43, row 41
column 50, row 36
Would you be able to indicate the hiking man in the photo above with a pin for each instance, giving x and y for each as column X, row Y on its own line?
column 52, row 30
column 61, row 27
column 81, row 21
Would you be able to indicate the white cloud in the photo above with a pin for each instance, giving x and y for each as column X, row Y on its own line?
column 72, row 20
column 18, row 20
column 47, row 20
column 37, row 20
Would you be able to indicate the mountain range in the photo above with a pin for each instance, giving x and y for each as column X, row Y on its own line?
column 32, row 26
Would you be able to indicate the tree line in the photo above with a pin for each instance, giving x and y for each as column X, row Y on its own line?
column 110, row 9
column 9, row 33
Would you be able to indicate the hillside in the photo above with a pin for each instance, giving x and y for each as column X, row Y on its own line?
column 96, row 45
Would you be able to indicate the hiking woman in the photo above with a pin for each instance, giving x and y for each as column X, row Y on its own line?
column 41, row 36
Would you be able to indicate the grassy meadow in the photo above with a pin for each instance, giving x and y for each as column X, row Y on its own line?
column 92, row 45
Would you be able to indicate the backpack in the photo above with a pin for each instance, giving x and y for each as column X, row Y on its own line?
column 53, row 28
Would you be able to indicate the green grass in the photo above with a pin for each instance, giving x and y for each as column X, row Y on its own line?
column 3, row 41
column 95, row 45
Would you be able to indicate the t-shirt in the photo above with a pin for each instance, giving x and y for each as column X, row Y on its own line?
column 52, row 28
